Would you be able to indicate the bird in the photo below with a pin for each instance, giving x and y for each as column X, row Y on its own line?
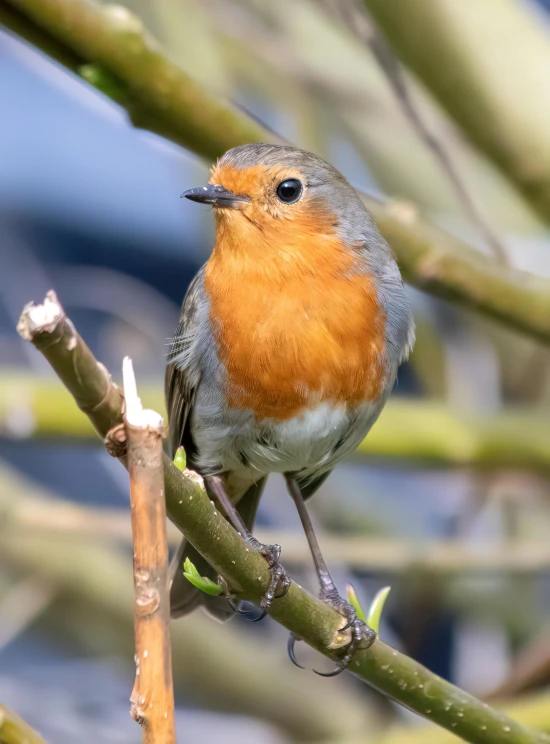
column 286, row 350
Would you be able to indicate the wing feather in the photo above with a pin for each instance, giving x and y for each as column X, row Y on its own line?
column 181, row 380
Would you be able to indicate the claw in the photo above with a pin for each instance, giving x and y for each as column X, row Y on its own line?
column 235, row 607
column 290, row 649
column 339, row 669
column 230, row 598
column 361, row 635
column 272, row 554
column 246, row 613
column 348, row 624
column 278, row 586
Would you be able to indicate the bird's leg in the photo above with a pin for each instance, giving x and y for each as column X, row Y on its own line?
column 280, row 581
column 361, row 635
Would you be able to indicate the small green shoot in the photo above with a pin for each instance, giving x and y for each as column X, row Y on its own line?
column 376, row 607
column 372, row 619
column 201, row 582
column 180, row 460
column 352, row 599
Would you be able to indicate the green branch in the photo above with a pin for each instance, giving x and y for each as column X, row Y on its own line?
column 487, row 64
column 188, row 506
column 531, row 710
column 160, row 97
column 428, row 433
column 13, row 730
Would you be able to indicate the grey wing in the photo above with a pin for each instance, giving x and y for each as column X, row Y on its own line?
column 309, row 487
column 180, row 381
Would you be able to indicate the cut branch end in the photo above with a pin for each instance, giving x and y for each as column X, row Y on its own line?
column 42, row 318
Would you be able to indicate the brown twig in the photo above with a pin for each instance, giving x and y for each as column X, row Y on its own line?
column 153, row 694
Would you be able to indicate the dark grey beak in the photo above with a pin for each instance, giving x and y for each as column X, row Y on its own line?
column 218, row 196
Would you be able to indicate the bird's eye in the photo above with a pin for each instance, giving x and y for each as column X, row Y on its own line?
column 289, row 191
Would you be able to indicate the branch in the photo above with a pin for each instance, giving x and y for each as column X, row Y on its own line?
column 74, row 522
column 249, row 677
column 318, row 624
column 13, row 730
column 153, row 694
column 428, row 433
column 443, row 266
column 530, row 711
column 94, row 583
column 159, row 96
column 369, row 34
column 490, row 74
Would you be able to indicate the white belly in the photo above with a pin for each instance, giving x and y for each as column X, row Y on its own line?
column 309, row 444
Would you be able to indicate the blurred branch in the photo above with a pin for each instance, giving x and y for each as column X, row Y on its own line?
column 160, row 95
column 162, row 98
column 529, row 670
column 428, row 433
column 73, row 523
column 152, row 697
column 362, row 26
column 34, row 34
column 532, row 711
column 21, row 605
column 490, row 73
column 443, row 266
column 13, row 730
column 222, row 667
column 310, row 619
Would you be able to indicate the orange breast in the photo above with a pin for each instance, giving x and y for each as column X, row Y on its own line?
column 294, row 325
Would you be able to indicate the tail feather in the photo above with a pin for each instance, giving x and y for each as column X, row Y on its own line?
column 184, row 597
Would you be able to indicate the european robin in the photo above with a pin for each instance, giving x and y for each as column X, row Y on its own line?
column 287, row 347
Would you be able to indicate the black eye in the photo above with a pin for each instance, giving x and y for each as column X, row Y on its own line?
column 289, row 191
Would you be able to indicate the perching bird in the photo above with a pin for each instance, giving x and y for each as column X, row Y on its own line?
column 287, row 347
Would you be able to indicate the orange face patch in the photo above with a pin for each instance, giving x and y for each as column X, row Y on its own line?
column 294, row 325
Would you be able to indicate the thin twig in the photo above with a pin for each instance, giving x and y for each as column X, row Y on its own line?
column 366, row 30
column 161, row 98
column 486, row 64
column 153, row 694
column 245, row 570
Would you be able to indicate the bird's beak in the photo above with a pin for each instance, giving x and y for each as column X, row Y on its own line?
column 216, row 195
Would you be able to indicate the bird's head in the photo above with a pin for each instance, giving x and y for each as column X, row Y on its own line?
column 278, row 198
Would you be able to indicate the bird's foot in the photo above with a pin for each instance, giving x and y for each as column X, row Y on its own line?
column 278, row 585
column 362, row 636
column 231, row 598
column 280, row 581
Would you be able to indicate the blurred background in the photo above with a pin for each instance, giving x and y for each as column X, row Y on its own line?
column 447, row 501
